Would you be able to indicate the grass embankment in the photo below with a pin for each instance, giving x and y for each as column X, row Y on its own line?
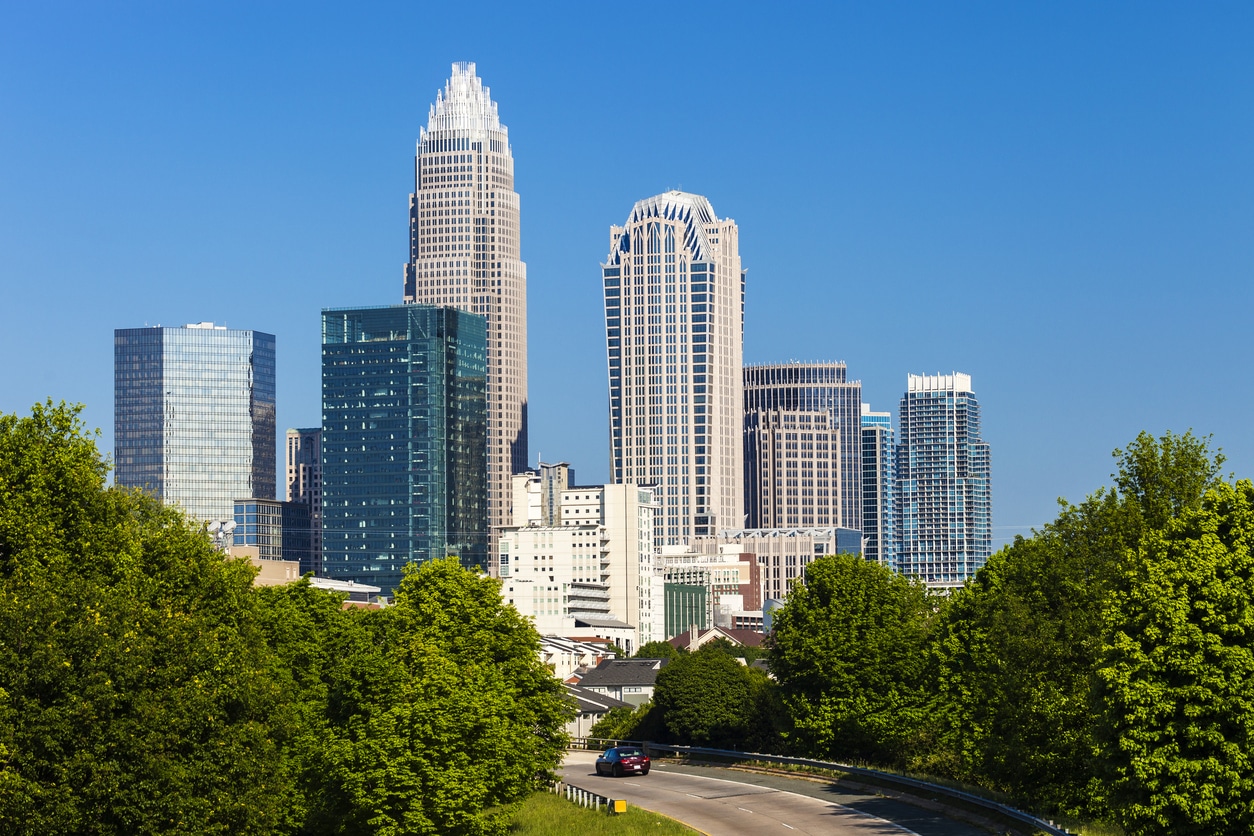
column 546, row 814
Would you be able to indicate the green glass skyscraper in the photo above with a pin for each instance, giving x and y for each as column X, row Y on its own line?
column 404, row 440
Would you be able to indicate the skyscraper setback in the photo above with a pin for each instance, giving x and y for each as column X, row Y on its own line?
column 674, row 328
column 464, row 253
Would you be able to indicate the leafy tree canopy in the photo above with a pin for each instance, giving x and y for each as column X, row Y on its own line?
column 138, row 690
column 1017, row 648
column 1176, row 675
column 848, row 651
column 707, row 698
column 147, row 687
column 658, row 650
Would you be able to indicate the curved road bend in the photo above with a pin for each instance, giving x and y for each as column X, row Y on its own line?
column 724, row 802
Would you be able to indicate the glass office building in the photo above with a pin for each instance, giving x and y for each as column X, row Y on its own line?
column 943, row 499
column 278, row 530
column 404, row 440
column 803, row 446
column 878, row 541
column 193, row 411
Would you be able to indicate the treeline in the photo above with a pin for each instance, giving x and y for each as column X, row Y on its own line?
column 1103, row 667
column 147, row 687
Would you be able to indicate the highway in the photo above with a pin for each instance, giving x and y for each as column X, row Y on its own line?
column 724, row 802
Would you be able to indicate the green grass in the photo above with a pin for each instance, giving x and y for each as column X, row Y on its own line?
column 546, row 814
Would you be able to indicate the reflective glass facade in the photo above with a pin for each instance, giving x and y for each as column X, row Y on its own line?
column 279, row 530
column 304, row 484
column 878, row 540
column 797, row 472
column 943, row 498
column 404, row 440
column 193, row 414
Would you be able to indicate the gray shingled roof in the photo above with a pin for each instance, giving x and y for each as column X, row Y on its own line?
column 615, row 672
column 590, row 702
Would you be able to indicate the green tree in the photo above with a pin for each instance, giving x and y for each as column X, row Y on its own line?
column 1176, row 675
column 138, row 694
column 707, row 698
column 1016, row 649
column 644, row 722
column 442, row 714
column 658, row 650
column 847, row 649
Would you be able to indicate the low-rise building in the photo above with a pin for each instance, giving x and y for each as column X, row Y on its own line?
column 593, row 705
column 783, row 553
column 629, row 680
column 707, row 589
column 579, row 560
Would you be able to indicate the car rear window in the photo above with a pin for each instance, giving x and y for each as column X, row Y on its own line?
column 629, row 752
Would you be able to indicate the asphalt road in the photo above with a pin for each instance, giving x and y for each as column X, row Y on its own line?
column 724, row 802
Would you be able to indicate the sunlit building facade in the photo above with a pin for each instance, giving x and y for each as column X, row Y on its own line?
column 803, row 446
column 944, row 495
column 674, row 319
column 194, row 415
column 464, row 253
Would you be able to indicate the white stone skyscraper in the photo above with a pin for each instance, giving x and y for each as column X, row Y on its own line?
column 464, row 253
column 674, row 327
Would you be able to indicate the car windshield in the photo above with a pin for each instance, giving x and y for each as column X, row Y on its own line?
column 629, row 753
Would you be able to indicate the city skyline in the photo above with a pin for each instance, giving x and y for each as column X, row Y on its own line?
column 1078, row 179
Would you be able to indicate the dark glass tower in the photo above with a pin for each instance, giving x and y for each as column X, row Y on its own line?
column 404, row 475
column 193, row 413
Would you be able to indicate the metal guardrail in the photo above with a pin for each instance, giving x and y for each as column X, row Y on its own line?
column 582, row 797
column 1041, row 825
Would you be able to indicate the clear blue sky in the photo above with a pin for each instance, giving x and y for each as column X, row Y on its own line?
column 1055, row 198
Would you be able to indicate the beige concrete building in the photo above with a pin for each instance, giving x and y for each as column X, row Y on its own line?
column 464, row 253
column 589, row 568
column 674, row 324
column 783, row 553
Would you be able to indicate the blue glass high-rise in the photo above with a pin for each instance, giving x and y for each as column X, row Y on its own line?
column 878, row 540
column 404, row 440
column 193, row 414
column 944, row 516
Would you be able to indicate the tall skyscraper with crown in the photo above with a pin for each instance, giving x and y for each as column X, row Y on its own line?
column 674, row 327
column 464, row 253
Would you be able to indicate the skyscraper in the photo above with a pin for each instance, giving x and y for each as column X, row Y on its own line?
column 674, row 327
column 193, row 414
column 803, row 446
column 878, row 540
column 403, row 422
column 304, row 484
column 943, row 497
column 464, row 253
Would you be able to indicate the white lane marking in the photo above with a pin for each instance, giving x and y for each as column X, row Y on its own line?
column 787, row 825
column 852, row 810
column 743, row 810
column 690, row 795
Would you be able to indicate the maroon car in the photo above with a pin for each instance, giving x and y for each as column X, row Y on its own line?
column 623, row 760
